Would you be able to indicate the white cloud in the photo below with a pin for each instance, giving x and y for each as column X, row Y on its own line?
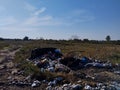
column 36, row 20
column 34, row 10
column 80, row 16
column 42, row 21
column 29, row 7
column 7, row 21
column 39, row 11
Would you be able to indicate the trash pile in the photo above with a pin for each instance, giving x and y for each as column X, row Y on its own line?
column 84, row 62
column 39, row 53
column 52, row 60
column 48, row 59
column 89, row 74
column 98, row 86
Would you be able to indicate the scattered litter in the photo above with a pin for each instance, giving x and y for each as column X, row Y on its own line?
column 87, row 87
column 36, row 83
column 52, row 60
column 52, row 53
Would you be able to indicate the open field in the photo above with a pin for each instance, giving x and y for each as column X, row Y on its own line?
column 96, row 51
column 19, row 51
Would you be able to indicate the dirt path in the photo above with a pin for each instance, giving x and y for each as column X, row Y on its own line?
column 8, row 52
column 9, row 73
column 7, row 55
column 6, row 64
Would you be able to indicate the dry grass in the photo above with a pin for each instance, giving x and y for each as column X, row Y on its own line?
column 96, row 51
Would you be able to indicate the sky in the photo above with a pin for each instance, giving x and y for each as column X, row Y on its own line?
column 60, row 19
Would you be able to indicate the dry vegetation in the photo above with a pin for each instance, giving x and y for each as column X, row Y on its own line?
column 101, row 51
column 97, row 51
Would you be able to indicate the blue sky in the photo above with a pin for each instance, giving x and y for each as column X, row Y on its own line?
column 60, row 19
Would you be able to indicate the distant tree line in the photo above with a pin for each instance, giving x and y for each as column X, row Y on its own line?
column 73, row 39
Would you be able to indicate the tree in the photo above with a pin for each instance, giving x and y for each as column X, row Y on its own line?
column 26, row 38
column 1, row 39
column 86, row 40
column 108, row 38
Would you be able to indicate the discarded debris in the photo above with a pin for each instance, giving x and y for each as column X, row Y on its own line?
column 36, row 83
column 51, row 53
column 88, row 74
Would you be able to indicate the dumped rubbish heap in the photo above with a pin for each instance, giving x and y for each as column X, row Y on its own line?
column 52, row 60
column 51, row 53
column 78, row 73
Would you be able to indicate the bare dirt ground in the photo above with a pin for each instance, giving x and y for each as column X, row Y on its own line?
column 9, row 71
column 7, row 67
